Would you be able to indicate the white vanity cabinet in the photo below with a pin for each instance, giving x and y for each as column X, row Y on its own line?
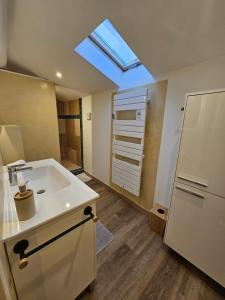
column 64, row 268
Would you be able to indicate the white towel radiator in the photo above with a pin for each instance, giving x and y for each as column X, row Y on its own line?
column 129, row 115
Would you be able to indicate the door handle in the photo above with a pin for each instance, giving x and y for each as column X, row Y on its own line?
column 192, row 180
column 190, row 192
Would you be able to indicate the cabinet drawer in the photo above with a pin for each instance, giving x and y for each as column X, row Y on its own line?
column 196, row 227
column 62, row 269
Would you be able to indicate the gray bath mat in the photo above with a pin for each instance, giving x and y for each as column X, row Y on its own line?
column 103, row 237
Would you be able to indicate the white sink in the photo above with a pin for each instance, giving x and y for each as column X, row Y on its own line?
column 63, row 192
column 46, row 178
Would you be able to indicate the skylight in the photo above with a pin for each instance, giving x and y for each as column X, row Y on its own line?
column 107, row 38
column 107, row 51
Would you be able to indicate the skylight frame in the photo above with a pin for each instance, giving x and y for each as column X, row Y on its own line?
column 111, row 53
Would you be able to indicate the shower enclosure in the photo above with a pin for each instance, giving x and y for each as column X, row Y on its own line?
column 70, row 134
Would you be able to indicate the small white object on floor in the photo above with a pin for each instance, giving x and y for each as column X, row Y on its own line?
column 84, row 177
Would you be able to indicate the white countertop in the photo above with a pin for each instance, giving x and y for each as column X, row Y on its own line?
column 71, row 194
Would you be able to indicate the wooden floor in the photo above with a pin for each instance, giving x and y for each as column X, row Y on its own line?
column 136, row 264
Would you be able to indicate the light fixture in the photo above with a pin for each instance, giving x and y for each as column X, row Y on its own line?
column 58, row 74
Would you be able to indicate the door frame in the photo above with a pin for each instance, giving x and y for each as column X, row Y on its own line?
column 81, row 169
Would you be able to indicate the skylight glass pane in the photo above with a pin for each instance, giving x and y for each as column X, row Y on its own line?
column 106, row 36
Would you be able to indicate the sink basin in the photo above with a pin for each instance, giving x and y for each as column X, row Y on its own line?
column 46, row 178
column 63, row 192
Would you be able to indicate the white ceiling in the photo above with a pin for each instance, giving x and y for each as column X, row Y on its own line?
column 165, row 35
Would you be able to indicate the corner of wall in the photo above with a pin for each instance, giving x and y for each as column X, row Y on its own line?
column 87, row 118
column 102, row 116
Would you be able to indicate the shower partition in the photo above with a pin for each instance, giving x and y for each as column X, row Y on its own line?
column 70, row 134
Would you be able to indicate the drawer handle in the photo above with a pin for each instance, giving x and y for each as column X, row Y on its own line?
column 192, row 180
column 190, row 192
column 22, row 245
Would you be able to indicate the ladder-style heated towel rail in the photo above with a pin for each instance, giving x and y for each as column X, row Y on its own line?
column 129, row 116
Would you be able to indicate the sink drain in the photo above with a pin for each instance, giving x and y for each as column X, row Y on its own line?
column 40, row 191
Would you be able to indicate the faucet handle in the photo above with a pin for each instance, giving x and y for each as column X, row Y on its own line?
column 15, row 166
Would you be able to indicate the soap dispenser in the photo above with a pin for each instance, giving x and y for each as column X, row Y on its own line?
column 24, row 200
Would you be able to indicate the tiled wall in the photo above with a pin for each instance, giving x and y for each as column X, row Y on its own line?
column 31, row 103
column 69, row 130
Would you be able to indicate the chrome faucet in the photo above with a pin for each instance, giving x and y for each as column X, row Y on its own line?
column 12, row 170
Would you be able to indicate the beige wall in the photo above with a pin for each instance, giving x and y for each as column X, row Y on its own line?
column 205, row 76
column 87, row 133
column 101, row 130
column 31, row 103
column 3, row 32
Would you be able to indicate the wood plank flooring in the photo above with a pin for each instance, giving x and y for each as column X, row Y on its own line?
column 137, row 265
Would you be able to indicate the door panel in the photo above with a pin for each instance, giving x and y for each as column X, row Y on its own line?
column 62, row 269
column 196, row 227
column 201, row 160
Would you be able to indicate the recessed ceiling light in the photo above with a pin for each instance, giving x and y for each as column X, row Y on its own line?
column 59, row 75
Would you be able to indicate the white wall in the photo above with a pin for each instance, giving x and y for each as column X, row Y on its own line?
column 87, row 133
column 101, row 130
column 205, row 76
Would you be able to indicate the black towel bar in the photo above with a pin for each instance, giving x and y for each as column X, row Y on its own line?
column 22, row 245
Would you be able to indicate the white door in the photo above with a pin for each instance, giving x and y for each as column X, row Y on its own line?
column 201, row 161
column 196, row 227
